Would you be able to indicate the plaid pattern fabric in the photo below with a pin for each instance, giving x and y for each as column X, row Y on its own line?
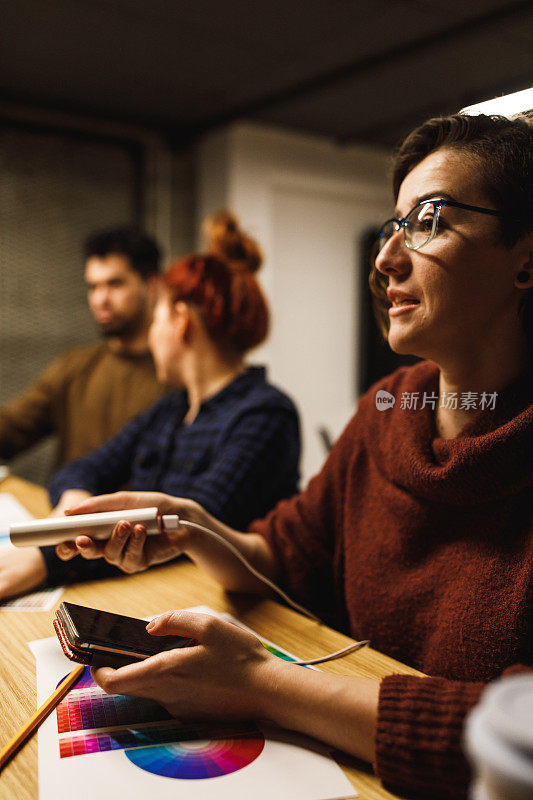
column 237, row 459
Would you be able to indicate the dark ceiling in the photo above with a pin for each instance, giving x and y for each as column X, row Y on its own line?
column 353, row 70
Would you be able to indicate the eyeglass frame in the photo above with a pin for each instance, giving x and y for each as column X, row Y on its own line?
column 437, row 204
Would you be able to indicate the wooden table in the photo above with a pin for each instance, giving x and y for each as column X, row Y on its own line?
column 176, row 586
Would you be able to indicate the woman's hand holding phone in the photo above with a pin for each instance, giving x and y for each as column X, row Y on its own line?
column 129, row 547
column 223, row 676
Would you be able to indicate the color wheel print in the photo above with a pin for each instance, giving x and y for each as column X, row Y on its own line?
column 84, row 681
column 198, row 760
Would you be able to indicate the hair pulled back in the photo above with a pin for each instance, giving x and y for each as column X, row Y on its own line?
column 222, row 286
column 503, row 149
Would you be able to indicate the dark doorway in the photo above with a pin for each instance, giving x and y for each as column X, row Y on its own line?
column 376, row 359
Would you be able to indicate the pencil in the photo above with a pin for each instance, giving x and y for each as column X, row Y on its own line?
column 41, row 714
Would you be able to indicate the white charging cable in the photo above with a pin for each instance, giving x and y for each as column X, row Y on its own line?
column 173, row 522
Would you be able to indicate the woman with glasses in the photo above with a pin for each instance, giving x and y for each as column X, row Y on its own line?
column 417, row 534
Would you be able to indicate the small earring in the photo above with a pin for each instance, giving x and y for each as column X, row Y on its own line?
column 523, row 276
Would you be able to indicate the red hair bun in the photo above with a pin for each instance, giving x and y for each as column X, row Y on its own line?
column 222, row 285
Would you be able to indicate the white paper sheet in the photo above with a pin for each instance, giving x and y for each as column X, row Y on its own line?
column 13, row 511
column 289, row 765
column 10, row 511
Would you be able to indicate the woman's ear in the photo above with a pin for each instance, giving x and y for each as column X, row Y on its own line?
column 183, row 320
column 154, row 286
column 524, row 277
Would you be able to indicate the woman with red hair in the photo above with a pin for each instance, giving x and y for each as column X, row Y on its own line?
column 227, row 439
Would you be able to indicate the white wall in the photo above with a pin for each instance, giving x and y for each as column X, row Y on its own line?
column 308, row 202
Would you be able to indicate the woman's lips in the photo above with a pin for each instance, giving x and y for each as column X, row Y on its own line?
column 401, row 301
column 404, row 308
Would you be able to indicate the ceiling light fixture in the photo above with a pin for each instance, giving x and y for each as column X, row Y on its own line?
column 507, row 105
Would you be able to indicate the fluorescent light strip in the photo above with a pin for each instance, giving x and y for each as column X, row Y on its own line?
column 507, row 105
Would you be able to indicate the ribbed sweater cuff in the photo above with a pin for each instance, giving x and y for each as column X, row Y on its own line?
column 418, row 735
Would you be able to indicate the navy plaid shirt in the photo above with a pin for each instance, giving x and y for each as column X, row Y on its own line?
column 237, row 459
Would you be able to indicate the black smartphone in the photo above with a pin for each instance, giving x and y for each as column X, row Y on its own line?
column 90, row 636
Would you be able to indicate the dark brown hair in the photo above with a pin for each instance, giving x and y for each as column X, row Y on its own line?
column 222, row 285
column 504, row 150
column 141, row 250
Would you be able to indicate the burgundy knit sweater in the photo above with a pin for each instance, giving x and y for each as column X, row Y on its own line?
column 425, row 547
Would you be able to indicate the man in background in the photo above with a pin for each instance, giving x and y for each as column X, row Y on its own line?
column 89, row 393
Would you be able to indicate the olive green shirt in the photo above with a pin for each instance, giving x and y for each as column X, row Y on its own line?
column 84, row 397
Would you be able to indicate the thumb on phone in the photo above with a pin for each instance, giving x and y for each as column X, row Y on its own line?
column 182, row 623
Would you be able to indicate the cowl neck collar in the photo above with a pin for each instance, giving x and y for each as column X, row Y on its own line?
column 490, row 459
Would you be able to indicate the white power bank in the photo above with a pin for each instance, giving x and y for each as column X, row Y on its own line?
column 53, row 530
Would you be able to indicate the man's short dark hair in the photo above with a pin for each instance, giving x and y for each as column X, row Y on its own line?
column 141, row 250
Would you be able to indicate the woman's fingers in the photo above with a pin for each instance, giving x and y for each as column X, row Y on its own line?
column 103, row 676
column 66, row 550
column 90, row 549
column 104, row 502
column 184, row 623
column 83, row 546
column 117, row 501
column 113, row 551
column 133, row 558
column 137, row 679
column 87, row 548
column 119, row 681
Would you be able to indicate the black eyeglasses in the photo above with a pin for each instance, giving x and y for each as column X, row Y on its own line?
column 421, row 223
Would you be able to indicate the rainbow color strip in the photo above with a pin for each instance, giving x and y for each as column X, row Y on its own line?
column 148, row 736
column 278, row 653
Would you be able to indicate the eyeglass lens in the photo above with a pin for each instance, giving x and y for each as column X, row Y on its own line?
column 418, row 226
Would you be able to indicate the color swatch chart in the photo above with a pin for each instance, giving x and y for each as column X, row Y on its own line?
column 86, row 707
column 153, row 740
column 43, row 600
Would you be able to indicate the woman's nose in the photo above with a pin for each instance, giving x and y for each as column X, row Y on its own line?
column 394, row 257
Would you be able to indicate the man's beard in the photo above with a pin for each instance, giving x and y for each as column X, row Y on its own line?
column 123, row 328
